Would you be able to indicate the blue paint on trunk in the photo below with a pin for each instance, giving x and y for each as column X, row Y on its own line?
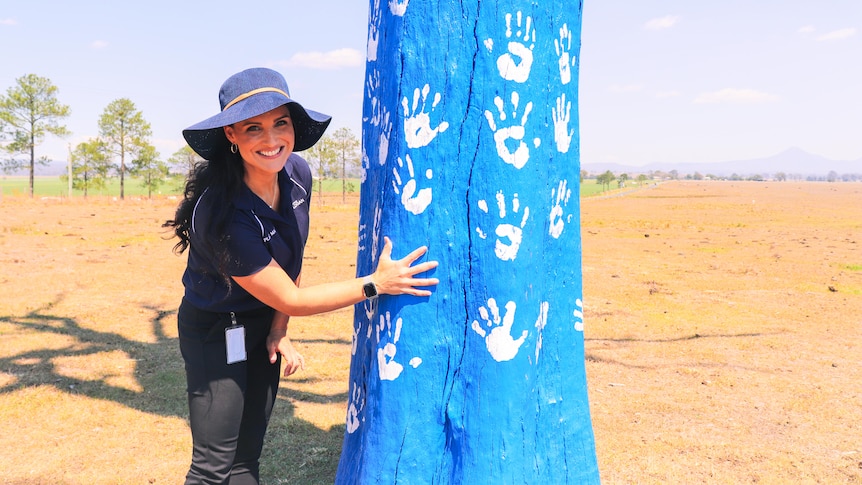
column 470, row 146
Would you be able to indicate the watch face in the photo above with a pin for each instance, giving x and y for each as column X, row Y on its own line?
column 370, row 290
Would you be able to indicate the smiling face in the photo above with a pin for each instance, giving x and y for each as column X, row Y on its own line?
column 264, row 141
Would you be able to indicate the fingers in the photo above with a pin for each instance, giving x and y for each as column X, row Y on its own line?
column 410, row 259
column 272, row 347
column 415, row 254
column 406, row 278
column 398, row 277
column 293, row 360
column 411, row 286
column 415, row 286
column 386, row 252
column 294, row 364
column 422, row 267
column 424, row 282
column 416, row 292
column 387, row 248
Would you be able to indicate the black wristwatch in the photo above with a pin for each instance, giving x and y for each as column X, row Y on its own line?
column 369, row 289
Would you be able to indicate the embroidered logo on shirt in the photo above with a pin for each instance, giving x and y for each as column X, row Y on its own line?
column 268, row 237
column 298, row 202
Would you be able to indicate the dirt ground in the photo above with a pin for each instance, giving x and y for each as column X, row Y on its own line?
column 724, row 332
column 723, row 335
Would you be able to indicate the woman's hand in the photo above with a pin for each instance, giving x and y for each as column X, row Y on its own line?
column 396, row 277
column 277, row 342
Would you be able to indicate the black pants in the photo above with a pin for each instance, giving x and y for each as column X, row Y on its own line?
column 229, row 404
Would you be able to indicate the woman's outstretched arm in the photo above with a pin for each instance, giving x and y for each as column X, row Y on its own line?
column 273, row 286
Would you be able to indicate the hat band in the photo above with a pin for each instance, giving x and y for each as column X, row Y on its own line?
column 252, row 93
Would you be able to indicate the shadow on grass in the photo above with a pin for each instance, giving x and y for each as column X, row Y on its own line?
column 695, row 336
column 296, row 451
column 592, row 356
column 158, row 366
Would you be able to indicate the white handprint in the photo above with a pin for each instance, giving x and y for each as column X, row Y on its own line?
column 362, row 245
column 515, row 64
column 563, row 193
column 375, row 233
column 353, row 410
column 414, row 202
column 540, row 326
column 369, row 308
column 579, row 315
column 373, row 31
column 417, row 123
column 366, row 164
column 372, row 85
column 385, row 133
column 354, row 341
column 398, row 7
column 515, row 132
column 563, row 46
column 498, row 336
column 388, row 369
column 562, row 115
column 504, row 231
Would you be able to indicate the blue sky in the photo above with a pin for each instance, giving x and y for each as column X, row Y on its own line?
column 660, row 81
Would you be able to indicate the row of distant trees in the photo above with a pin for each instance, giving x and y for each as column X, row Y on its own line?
column 335, row 156
column 30, row 111
column 832, row 176
column 607, row 178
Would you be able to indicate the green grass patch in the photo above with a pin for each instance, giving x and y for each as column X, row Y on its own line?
column 45, row 186
column 54, row 186
column 590, row 188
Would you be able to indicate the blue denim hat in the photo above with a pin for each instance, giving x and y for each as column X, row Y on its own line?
column 248, row 94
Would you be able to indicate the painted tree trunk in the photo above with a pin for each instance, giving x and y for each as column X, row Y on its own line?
column 470, row 146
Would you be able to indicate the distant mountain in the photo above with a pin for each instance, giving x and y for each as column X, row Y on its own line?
column 53, row 168
column 792, row 161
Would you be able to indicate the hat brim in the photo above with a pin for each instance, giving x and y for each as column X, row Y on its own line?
column 207, row 138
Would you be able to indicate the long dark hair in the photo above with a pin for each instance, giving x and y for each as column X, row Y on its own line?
column 222, row 178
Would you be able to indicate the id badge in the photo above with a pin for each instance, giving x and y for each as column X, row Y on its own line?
column 234, row 337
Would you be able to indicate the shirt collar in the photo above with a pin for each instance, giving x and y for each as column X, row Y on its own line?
column 248, row 200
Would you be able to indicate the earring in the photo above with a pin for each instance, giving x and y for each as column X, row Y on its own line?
column 234, row 148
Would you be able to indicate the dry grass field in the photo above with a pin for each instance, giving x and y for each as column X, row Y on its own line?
column 723, row 339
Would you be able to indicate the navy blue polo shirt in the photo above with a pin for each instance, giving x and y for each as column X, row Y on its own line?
column 256, row 235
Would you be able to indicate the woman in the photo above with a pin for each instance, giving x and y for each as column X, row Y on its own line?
column 244, row 220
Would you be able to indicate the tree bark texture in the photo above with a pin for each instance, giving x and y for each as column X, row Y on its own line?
column 470, row 146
